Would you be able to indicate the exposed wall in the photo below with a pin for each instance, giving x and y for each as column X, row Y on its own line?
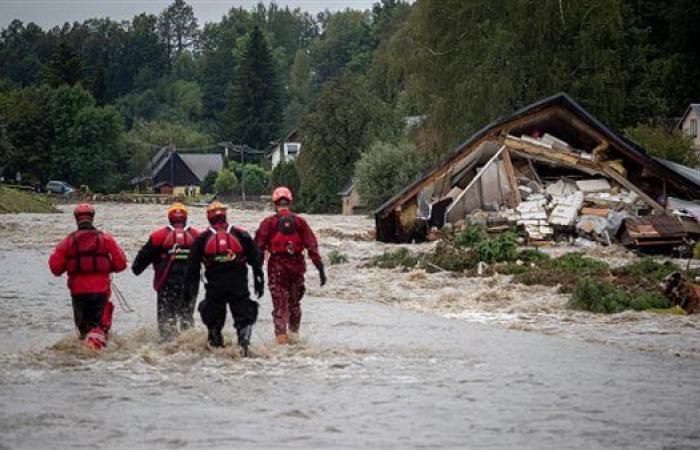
column 690, row 129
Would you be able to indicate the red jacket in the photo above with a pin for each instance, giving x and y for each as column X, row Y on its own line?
column 88, row 274
column 269, row 228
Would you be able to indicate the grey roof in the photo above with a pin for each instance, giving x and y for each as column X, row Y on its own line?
column 202, row 163
column 695, row 107
column 686, row 172
column 348, row 187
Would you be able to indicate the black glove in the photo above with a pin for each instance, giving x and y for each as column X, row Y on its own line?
column 259, row 283
column 322, row 275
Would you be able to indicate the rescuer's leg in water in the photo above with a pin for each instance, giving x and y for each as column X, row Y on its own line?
column 168, row 299
column 213, row 312
column 245, row 314
column 87, row 312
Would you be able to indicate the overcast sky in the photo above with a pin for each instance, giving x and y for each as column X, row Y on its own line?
column 48, row 13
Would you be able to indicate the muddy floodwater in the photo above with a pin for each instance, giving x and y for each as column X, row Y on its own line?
column 387, row 359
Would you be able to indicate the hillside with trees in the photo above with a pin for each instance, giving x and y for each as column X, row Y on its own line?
column 90, row 102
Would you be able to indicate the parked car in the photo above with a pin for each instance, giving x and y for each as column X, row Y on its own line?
column 59, row 187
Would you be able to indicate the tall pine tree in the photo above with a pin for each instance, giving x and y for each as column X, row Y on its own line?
column 254, row 115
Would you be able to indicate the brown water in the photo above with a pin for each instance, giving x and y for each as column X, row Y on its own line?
column 388, row 359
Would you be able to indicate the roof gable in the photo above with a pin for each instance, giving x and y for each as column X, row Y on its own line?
column 202, row 163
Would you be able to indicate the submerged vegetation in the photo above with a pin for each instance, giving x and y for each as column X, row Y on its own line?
column 593, row 285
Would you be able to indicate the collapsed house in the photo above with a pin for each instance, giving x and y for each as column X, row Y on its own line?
column 551, row 169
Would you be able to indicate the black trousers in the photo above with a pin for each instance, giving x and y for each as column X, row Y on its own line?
column 213, row 311
column 174, row 306
column 87, row 311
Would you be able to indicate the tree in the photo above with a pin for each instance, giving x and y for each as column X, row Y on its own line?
column 89, row 143
column 208, row 182
column 225, row 182
column 342, row 124
column 385, row 169
column 657, row 141
column 345, row 44
column 26, row 115
column 66, row 67
column 285, row 174
column 178, row 27
column 254, row 95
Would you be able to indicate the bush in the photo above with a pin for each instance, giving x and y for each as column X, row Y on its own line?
column 335, row 257
column 385, row 168
column 565, row 271
column 529, row 255
column 402, row 258
column 577, row 262
column 648, row 269
column 208, row 182
column 225, row 182
column 657, row 141
column 455, row 259
column 471, row 235
column 285, row 174
column 503, row 247
column 604, row 297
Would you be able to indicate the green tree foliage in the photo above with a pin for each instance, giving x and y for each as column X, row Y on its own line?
column 226, row 181
column 658, row 141
column 385, row 169
column 208, row 182
column 254, row 109
column 475, row 61
column 66, row 67
column 345, row 44
column 26, row 115
column 343, row 123
column 178, row 27
column 285, row 174
column 89, row 141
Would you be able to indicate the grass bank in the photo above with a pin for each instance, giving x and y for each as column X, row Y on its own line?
column 17, row 201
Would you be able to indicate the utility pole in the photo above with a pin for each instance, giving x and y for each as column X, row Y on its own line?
column 242, row 149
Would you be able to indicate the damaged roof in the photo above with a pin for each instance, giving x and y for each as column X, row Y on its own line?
column 633, row 150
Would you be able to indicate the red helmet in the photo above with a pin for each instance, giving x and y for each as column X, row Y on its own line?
column 177, row 213
column 280, row 193
column 216, row 210
column 84, row 212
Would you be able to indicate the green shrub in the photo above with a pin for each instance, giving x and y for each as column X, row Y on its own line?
column 386, row 168
column 648, row 268
column 285, row 174
column 402, row 258
column 225, row 182
column 503, row 247
column 471, row 235
column 335, row 257
column 577, row 262
column 530, row 255
column 604, row 297
column 448, row 257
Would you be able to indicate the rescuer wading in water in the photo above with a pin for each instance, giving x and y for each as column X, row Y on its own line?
column 285, row 236
column 225, row 251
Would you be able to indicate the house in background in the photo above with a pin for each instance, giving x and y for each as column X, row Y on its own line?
column 170, row 172
column 285, row 150
column 690, row 122
column 352, row 203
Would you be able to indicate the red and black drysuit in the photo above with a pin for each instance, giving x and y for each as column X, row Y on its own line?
column 285, row 236
column 89, row 256
column 226, row 251
column 168, row 249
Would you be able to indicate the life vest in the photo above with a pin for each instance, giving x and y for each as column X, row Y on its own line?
column 286, row 239
column 88, row 253
column 177, row 243
column 222, row 247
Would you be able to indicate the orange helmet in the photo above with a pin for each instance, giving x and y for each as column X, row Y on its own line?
column 216, row 210
column 84, row 212
column 177, row 213
column 280, row 193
